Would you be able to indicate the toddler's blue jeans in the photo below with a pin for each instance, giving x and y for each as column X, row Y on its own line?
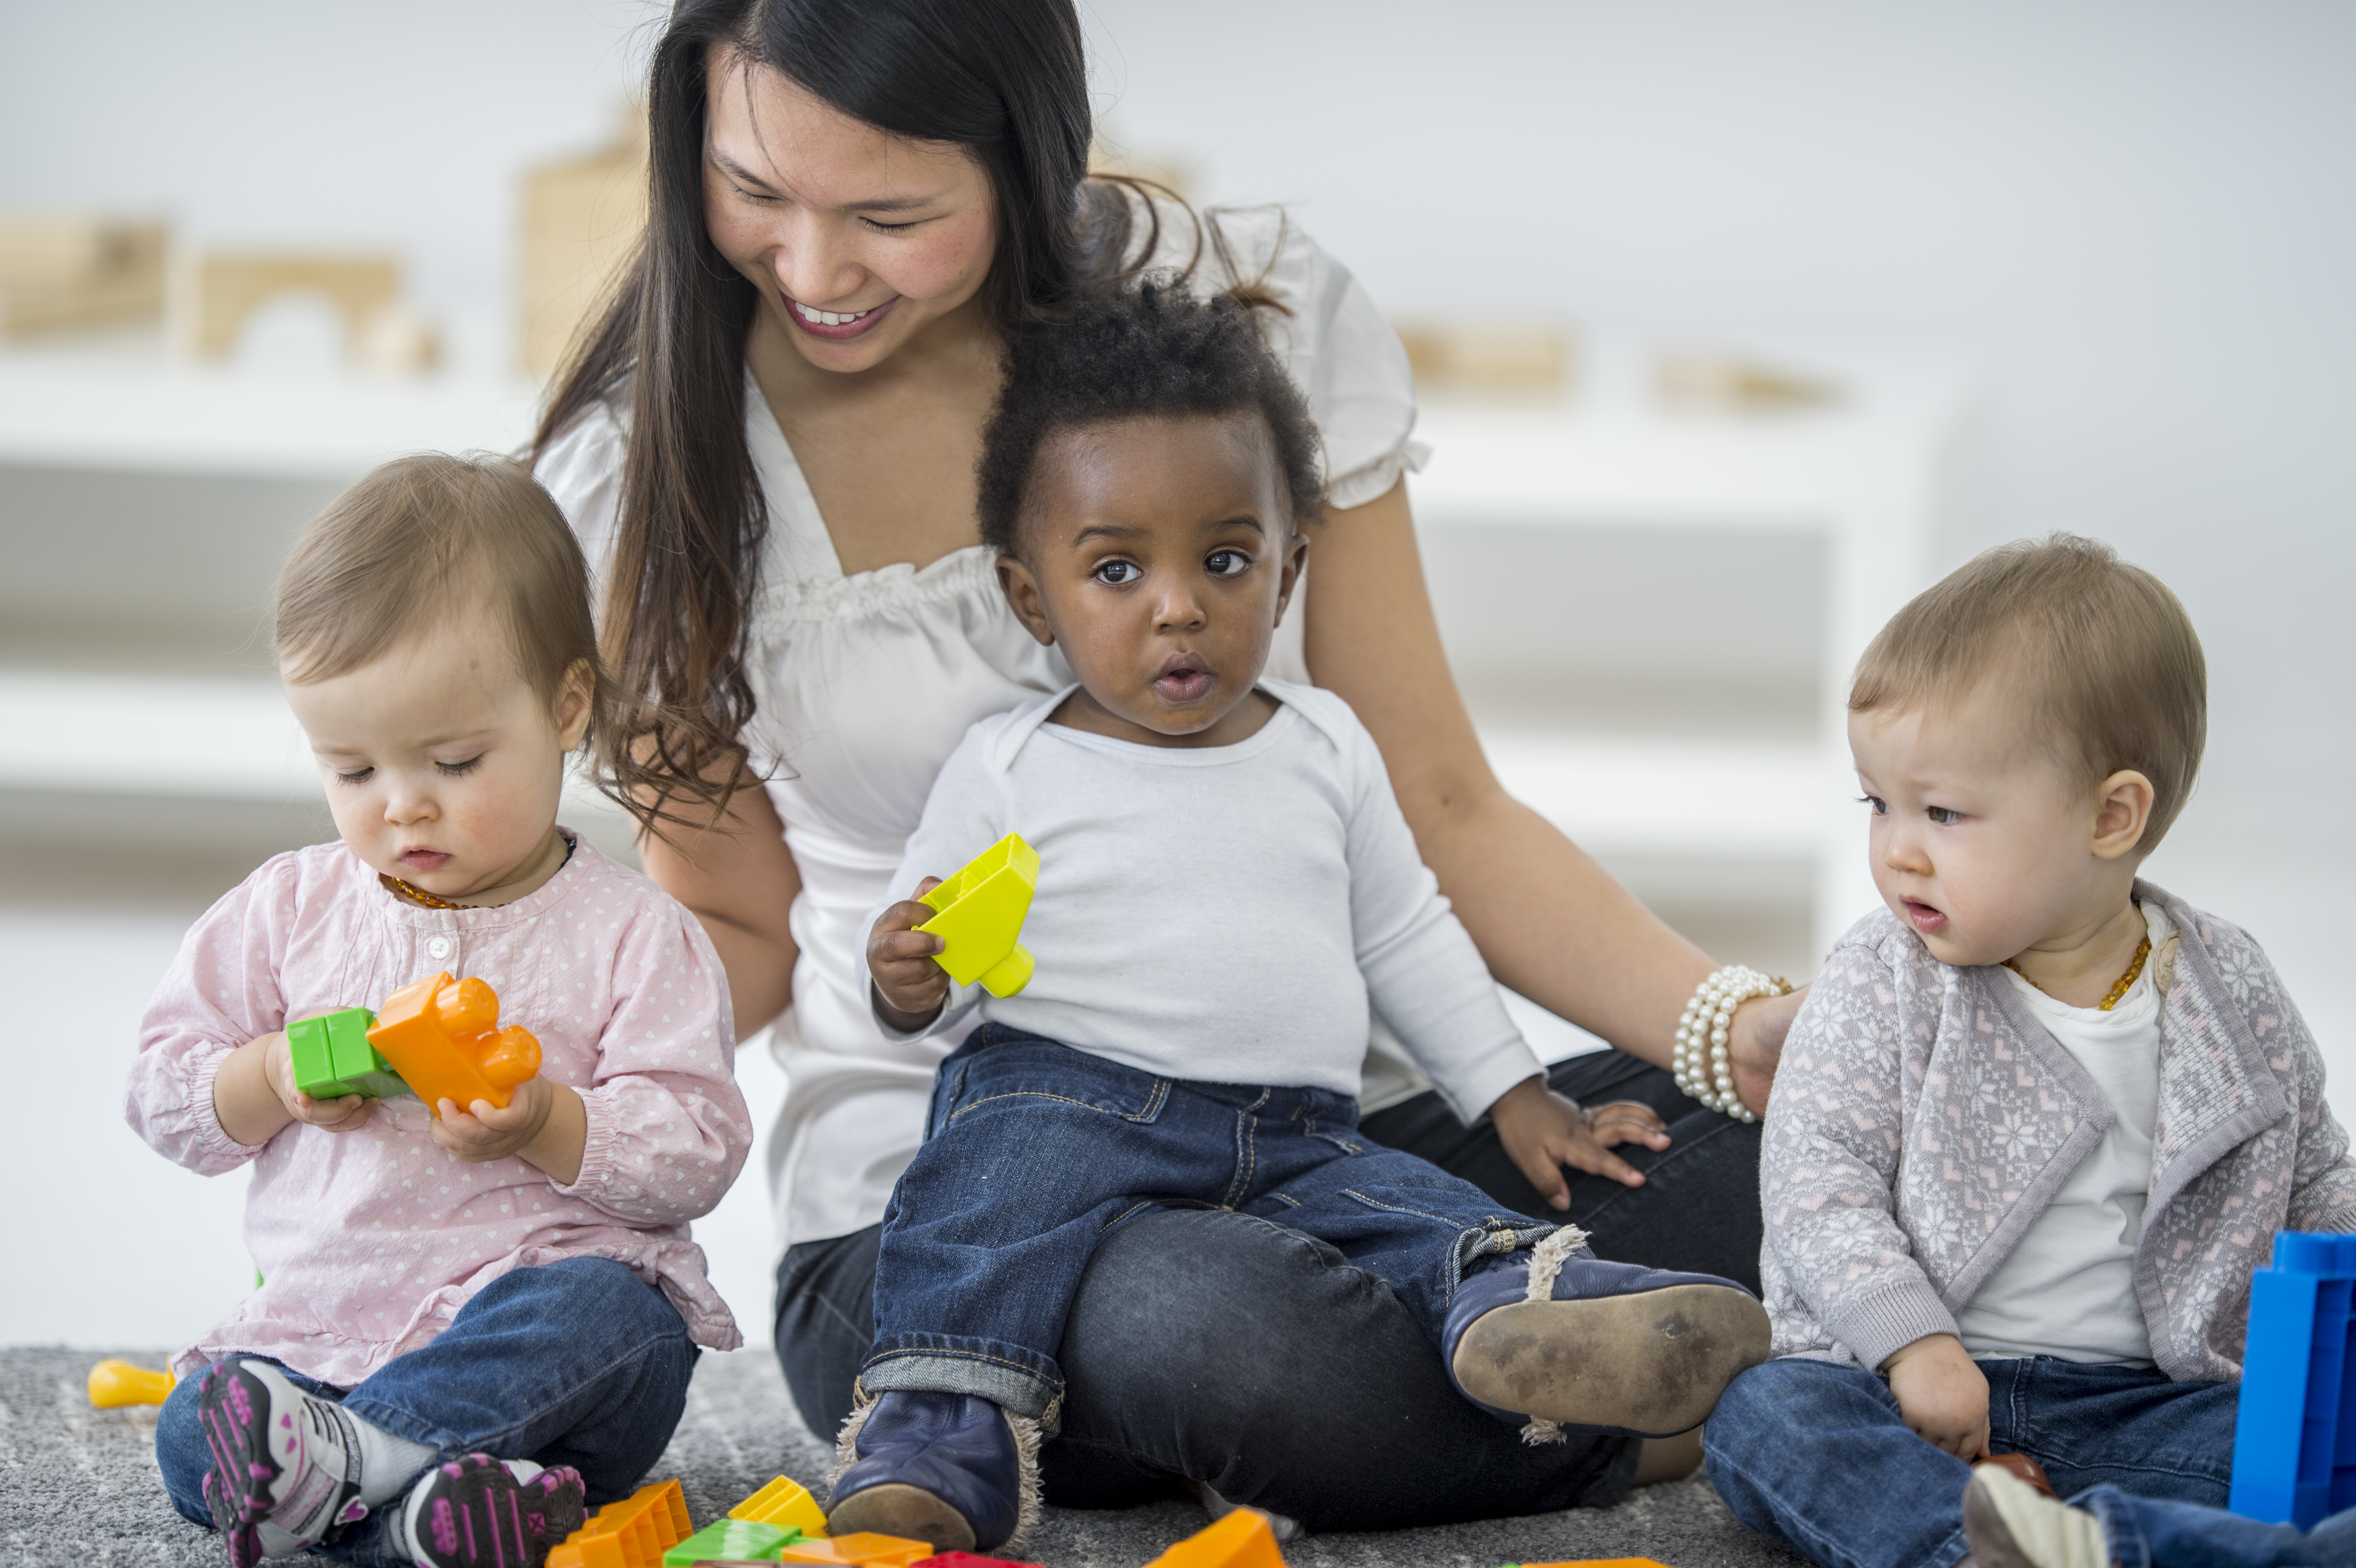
column 1034, row 1152
column 1815, row 1455
column 2150, row 1532
column 579, row 1363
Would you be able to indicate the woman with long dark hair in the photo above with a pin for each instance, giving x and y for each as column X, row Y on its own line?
column 768, row 442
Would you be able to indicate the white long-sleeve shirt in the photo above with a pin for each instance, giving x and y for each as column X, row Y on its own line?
column 1222, row 913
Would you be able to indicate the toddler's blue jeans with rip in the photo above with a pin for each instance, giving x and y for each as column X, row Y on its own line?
column 1034, row 1152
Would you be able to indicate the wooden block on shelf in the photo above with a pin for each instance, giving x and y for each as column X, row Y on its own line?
column 213, row 293
column 69, row 271
column 582, row 221
column 1488, row 361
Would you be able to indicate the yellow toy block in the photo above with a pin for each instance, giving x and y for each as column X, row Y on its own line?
column 981, row 913
column 632, row 1533
column 1241, row 1540
column 864, row 1549
column 785, row 1504
column 114, row 1383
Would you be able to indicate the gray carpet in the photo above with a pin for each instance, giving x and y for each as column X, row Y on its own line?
column 78, row 1486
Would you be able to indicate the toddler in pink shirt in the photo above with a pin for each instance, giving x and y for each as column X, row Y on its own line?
column 475, row 1320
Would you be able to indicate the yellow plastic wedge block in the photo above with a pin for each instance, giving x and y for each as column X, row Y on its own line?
column 981, row 913
column 1241, row 1540
column 632, row 1533
column 114, row 1383
column 785, row 1504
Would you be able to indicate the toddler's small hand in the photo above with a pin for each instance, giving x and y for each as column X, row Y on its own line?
column 900, row 960
column 484, row 1131
column 1943, row 1394
column 338, row 1115
column 1543, row 1132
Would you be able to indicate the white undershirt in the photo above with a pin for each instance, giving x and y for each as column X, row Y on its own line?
column 1224, row 914
column 2068, row 1289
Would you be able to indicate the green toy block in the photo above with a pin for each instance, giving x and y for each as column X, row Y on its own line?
column 333, row 1056
column 732, row 1540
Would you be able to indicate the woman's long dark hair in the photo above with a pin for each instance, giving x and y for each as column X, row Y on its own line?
column 1005, row 79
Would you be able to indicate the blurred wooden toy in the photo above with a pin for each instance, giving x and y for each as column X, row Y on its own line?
column 1240, row 1540
column 333, row 1058
column 213, row 293
column 865, row 1549
column 1701, row 382
column 981, row 912
column 114, row 1383
column 785, row 1504
column 443, row 1037
column 632, row 1533
column 582, row 221
column 69, row 271
column 2027, row 1469
column 1491, row 361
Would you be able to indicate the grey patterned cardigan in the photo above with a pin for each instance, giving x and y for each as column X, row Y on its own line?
column 1922, row 1119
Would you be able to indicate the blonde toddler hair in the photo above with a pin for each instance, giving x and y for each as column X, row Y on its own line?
column 2099, row 654
column 423, row 539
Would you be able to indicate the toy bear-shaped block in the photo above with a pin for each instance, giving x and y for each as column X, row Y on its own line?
column 632, row 1533
column 864, row 1549
column 1240, row 1540
column 443, row 1037
column 981, row 913
column 785, row 1504
column 2295, row 1433
column 333, row 1056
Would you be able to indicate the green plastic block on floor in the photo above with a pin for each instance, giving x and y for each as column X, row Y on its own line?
column 333, row 1056
column 732, row 1540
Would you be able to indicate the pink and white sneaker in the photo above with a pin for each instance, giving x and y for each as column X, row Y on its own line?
column 287, row 1466
column 481, row 1512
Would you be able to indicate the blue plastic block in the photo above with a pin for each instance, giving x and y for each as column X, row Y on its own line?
column 2294, row 1434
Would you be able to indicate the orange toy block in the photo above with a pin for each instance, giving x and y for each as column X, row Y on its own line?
column 632, row 1533
column 1241, row 1540
column 443, row 1037
column 864, row 1548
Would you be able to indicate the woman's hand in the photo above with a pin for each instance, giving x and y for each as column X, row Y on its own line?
column 1755, row 1044
column 542, row 1122
column 1543, row 1132
column 909, row 986
column 1943, row 1394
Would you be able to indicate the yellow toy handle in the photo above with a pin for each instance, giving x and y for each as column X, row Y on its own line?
column 114, row 1383
column 1010, row 974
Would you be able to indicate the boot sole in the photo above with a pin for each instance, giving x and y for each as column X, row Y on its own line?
column 1651, row 1364
column 233, row 1412
column 475, row 1514
column 909, row 1512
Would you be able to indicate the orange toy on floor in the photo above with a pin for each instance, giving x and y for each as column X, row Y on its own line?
column 443, row 1037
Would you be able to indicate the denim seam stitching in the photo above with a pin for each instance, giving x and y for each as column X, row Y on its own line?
column 1152, row 1105
column 877, row 1359
column 488, row 1440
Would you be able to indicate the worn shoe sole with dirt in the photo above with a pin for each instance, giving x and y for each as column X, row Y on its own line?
column 1650, row 1364
column 911, row 1513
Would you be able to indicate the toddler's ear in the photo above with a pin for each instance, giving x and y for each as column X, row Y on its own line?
column 575, row 700
column 2122, row 815
column 1296, row 556
column 1022, row 596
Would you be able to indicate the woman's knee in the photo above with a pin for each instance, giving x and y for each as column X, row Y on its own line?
column 180, row 1452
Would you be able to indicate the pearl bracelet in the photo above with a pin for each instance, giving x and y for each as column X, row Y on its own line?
column 1704, row 1066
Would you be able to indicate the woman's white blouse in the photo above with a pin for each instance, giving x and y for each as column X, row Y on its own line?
column 863, row 685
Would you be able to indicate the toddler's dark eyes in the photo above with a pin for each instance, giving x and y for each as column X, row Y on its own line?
column 354, row 776
column 455, row 770
column 1117, row 572
column 1942, row 817
column 1881, row 806
column 1226, row 563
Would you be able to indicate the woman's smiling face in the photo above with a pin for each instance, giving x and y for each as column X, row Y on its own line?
column 857, row 240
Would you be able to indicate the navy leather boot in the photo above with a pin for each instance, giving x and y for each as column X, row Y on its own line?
column 1597, row 1346
column 949, row 1468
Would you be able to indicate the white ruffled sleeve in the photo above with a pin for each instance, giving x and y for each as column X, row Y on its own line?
column 582, row 469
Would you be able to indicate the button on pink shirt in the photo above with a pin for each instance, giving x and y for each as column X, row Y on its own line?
column 371, row 1240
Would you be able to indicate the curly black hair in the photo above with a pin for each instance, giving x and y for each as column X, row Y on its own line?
column 1156, row 349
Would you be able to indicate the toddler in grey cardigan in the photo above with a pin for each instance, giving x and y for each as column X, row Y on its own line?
column 2038, row 1120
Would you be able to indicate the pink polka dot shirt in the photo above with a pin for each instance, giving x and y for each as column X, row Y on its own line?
column 370, row 1240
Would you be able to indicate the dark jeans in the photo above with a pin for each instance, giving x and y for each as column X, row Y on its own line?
column 1816, row 1457
column 1208, row 1346
column 1035, row 1153
column 2146, row 1532
column 579, row 1363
